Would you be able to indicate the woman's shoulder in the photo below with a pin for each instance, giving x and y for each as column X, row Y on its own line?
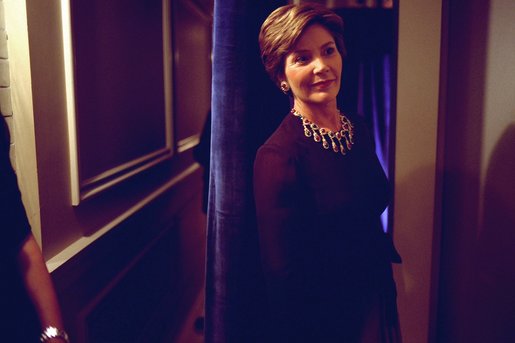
column 285, row 137
column 281, row 149
column 355, row 118
column 362, row 128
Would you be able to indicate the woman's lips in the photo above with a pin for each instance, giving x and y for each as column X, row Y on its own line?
column 323, row 84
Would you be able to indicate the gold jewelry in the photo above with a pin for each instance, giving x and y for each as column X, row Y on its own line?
column 285, row 87
column 344, row 137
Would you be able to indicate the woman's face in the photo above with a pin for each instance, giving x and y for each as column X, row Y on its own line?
column 313, row 69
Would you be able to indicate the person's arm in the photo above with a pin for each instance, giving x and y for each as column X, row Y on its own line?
column 39, row 286
column 21, row 245
column 280, row 228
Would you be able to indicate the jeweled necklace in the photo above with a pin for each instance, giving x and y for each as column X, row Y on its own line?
column 345, row 134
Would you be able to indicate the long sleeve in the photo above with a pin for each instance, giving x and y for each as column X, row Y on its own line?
column 278, row 205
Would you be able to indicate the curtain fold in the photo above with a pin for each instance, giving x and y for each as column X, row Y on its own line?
column 375, row 102
column 243, row 114
column 367, row 82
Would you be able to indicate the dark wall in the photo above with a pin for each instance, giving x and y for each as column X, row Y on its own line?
column 138, row 282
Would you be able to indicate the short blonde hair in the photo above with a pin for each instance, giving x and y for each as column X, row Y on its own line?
column 283, row 28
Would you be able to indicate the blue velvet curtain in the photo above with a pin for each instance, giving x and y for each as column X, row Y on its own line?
column 246, row 107
column 368, row 77
column 367, row 84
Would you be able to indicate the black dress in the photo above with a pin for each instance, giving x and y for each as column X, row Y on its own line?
column 326, row 258
column 20, row 322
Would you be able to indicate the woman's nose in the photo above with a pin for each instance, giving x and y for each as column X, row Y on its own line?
column 320, row 65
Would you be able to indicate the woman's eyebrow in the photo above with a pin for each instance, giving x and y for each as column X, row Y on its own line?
column 332, row 42
column 297, row 51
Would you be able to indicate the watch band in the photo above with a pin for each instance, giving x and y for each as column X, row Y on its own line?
column 53, row 332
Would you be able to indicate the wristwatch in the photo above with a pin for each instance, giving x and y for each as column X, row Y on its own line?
column 52, row 332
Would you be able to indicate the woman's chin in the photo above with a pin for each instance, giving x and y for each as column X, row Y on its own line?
column 323, row 97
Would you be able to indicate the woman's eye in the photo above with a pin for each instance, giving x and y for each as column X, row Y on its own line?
column 330, row 50
column 301, row 59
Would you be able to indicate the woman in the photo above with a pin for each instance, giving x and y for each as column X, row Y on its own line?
column 27, row 298
column 320, row 191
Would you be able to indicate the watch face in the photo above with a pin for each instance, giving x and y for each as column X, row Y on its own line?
column 53, row 332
